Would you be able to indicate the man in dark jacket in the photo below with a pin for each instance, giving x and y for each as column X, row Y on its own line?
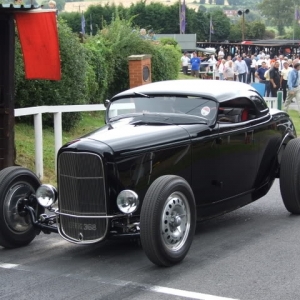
column 248, row 62
column 274, row 79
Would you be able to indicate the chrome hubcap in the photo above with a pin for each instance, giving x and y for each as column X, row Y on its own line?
column 175, row 222
column 11, row 215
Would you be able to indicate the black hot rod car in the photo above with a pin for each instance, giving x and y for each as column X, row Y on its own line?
column 171, row 153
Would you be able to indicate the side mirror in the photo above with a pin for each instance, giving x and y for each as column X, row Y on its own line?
column 106, row 103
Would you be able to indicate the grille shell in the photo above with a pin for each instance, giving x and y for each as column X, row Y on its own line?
column 82, row 197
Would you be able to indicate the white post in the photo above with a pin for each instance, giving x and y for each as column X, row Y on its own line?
column 57, row 135
column 38, row 134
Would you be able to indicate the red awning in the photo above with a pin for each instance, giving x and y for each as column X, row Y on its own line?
column 247, row 42
column 39, row 41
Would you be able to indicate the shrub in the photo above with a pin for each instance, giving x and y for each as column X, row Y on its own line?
column 119, row 40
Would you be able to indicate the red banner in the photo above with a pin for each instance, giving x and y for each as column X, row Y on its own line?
column 39, row 41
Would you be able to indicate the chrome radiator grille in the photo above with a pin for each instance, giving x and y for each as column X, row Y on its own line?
column 81, row 197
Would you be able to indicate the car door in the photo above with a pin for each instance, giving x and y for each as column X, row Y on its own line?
column 237, row 161
column 237, row 157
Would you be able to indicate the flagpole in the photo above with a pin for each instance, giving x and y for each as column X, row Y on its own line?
column 180, row 16
column 91, row 25
column 294, row 27
column 210, row 22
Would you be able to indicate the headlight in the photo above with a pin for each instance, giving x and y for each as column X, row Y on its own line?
column 46, row 195
column 128, row 201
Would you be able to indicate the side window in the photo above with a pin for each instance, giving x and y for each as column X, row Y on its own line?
column 260, row 104
column 236, row 111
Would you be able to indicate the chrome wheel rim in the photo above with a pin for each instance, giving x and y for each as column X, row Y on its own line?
column 12, row 217
column 175, row 221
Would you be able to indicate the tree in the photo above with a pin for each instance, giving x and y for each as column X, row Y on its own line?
column 72, row 19
column 202, row 8
column 255, row 30
column 202, row 20
column 279, row 12
column 221, row 25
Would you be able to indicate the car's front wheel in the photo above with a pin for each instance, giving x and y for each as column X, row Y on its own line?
column 290, row 176
column 168, row 220
column 16, row 228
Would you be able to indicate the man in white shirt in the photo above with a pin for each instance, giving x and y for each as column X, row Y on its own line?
column 268, row 61
column 284, row 79
column 242, row 69
column 281, row 61
column 221, row 53
column 212, row 62
column 184, row 63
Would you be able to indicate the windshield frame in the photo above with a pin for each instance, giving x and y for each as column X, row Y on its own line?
column 184, row 106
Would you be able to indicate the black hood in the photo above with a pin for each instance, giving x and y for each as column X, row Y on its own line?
column 125, row 135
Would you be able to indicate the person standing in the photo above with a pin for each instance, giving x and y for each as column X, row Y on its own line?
column 241, row 68
column 184, row 63
column 221, row 53
column 151, row 35
column 228, row 70
column 261, row 75
column 252, row 68
column 248, row 62
column 143, row 33
column 260, row 60
column 284, row 78
column 281, row 62
column 221, row 69
column 268, row 61
column 52, row 5
column 293, row 88
column 195, row 62
column 212, row 62
column 274, row 79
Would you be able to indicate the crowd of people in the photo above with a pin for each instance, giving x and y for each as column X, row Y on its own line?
column 276, row 73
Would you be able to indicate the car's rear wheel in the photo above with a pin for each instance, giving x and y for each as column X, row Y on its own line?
column 16, row 228
column 290, row 176
column 168, row 220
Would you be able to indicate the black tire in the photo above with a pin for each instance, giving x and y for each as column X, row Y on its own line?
column 290, row 176
column 16, row 230
column 168, row 220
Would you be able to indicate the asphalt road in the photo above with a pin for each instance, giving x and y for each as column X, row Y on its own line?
column 252, row 253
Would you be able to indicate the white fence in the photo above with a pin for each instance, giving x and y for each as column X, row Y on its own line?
column 57, row 112
column 38, row 127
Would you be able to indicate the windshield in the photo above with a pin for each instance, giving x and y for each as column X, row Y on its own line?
column 176, row 105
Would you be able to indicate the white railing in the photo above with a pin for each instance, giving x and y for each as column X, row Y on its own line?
column 57, row 112
column 38, row 127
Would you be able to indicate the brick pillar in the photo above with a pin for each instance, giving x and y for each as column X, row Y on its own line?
column 139, row 70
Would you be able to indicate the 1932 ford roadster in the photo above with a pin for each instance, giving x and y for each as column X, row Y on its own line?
column 171, row 153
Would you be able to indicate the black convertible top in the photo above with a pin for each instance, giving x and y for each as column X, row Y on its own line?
column 219, row 90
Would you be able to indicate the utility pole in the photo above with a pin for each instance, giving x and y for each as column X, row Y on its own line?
column 242, row 13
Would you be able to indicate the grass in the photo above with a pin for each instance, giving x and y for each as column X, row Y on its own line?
column 182, row 76
column 24, row 138
column 296, row 120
